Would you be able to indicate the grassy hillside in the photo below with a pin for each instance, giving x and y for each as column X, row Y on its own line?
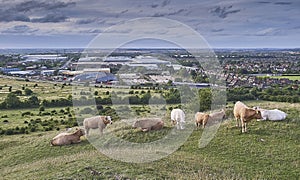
column 270, row 150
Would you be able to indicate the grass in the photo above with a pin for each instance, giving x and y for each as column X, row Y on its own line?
column 290, row 77
column 270, row 150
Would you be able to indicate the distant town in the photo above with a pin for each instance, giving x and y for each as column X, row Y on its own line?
column 261, row 68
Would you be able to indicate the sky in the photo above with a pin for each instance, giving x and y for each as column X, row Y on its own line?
column 220, row 23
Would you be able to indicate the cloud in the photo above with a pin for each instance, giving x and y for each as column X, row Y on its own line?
column 264, row 2
column 165, row 3
column 47, row 5
column 217, row 30
column 22, row 11
column 223, row 12
column 169, row 13
column 8, row 17
column 282, row 3
column 268, row 32
column 86, row 21
column 52, row 18
column 91, row 31
column 20, row 29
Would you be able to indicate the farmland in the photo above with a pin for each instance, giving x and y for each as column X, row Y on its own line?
column 270, row 150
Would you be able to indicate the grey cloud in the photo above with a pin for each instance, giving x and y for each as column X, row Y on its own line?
column 7, row 17
column 169, row 14
column 269, row 32
column 223, row 12
column 217, row 30
column 92, row 31
column 20, row 29
column 20, row 11
column 282, row 3
column 86, row 21
column 53, row 18
column 48, row 5
column 264, row 2
column 165, row 3
column 154, row 5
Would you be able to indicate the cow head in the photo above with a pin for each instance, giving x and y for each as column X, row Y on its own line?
column 79, row 132
column 107, row 120
column 257, row 114
column 173, row 122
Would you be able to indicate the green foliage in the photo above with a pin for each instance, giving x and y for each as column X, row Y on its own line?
column 12, row 101
column 28, row 92
column 205, row 97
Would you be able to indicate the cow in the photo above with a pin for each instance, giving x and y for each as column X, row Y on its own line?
column 67, row 138
column 201, row 119
column 96, row 122
column 178, row 118
column 148, row 124
column 244, row 114
column 204, row 118
column 273, row 115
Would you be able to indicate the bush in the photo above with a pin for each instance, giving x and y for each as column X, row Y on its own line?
column 42, row 108
column 27, row 113
column 86, row 110
column 28, row 92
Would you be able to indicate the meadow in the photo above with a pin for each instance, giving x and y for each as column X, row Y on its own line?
column 290, row 77
column 270, row 150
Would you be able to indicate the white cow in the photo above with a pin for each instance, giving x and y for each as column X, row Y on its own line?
column 273, row 115
column 178, row 118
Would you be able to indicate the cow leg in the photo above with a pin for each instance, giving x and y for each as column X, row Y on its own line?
column 243, row 126
column 101, row 131
column 87, row 131
column 177, row 125
column 237, row 122
column 181, row 125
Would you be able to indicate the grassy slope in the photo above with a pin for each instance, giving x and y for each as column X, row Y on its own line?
column 270, row 150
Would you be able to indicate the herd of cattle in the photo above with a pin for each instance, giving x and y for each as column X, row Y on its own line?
column 242, row 113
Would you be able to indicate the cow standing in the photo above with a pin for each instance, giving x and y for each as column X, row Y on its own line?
column 95, row 122
column 244, row 114
column 178, row 118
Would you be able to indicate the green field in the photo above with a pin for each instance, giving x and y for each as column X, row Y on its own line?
column 270, row 150
column 290, row 77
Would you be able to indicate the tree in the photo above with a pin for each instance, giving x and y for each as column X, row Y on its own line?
column 28, row 92
column 12, row 101
column 33, row 101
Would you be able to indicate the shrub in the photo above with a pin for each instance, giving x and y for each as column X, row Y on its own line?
column 28, row 92
column 27, row 113
column 42, row 108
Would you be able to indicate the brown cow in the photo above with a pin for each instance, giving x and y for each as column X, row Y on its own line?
column 201, row 119
column 245, row 114
column 148, row 124
column 67, row 138
column 204, row 118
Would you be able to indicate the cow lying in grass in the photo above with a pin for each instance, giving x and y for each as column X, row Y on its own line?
column 244, row 114
column 272, row 115
column 204, row 118
column 67, row 138
column 96, row 122
column 149, row 124
column 178, row 118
